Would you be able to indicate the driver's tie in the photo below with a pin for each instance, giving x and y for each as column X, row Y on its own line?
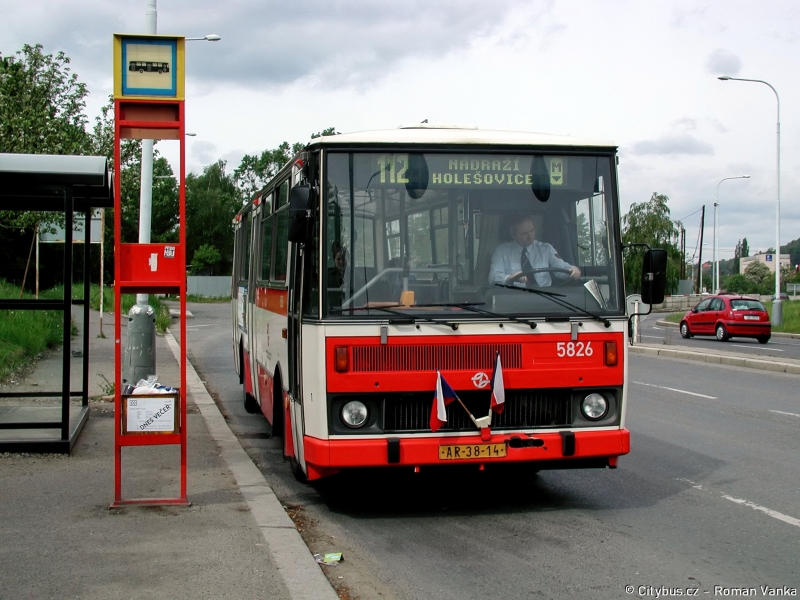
column 526, row 267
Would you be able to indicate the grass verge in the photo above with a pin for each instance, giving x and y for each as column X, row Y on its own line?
column 24, row 334
column 204, row 299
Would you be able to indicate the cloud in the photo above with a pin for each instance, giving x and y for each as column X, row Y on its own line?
column 204, row 152
column 672, row 145
column 686, row 123
column 268, row 43
column 723, row 62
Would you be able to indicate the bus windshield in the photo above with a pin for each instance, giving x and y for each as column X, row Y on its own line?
column 510, row 233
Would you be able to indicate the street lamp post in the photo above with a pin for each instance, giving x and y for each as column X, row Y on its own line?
column 716, row 284
column 777, row 308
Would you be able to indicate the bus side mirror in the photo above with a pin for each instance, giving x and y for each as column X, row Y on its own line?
column 654, row 276
column 540, row 176
column 300, row 201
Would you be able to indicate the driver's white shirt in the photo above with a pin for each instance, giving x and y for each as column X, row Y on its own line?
column 507, row 260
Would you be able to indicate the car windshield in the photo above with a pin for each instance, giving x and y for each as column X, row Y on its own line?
column 437, row 230
column 747, row 305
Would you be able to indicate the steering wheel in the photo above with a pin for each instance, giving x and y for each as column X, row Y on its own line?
column 532, row 280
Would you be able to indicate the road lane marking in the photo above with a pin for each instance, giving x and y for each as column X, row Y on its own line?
column 746, row 346
column 657, row 337
column 661, row 387
column 780, row 412
column 772, row 513
column 659, row 328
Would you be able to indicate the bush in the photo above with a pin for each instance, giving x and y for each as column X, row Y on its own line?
column 205, row 258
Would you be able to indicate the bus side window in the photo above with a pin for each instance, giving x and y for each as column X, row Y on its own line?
column 266, row 247
column 248, row 240
column 283, row 194
column 281, row 255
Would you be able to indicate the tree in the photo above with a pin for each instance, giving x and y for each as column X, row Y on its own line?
column 212, row 201
column 742, row 251
column 793, row 250
column 41, row 112
column 328, row 131
column 738, row 284
column 650, row 223
column 254, row 172
column 205, row 258
column 757, row 273
column 41, row 104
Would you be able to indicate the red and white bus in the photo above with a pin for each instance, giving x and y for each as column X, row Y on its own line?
column 366, row 273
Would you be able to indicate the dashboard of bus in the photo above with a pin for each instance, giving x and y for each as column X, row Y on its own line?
column 422, row 234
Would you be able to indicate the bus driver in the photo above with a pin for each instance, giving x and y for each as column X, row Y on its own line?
column 525, row 254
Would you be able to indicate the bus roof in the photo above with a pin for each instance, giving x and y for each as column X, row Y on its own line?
column 424, row 133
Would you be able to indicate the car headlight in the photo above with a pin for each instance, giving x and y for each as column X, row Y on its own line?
column 594, row 406
column 354, row 414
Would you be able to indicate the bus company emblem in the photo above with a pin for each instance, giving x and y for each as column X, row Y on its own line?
column 480, row 379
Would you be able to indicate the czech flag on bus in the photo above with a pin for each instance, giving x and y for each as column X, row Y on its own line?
column 498, row 389
column 444, row 396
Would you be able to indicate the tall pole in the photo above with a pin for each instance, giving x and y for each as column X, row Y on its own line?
column 146, row 190
column 683, row 253
column 777, row 308
column 714, row 261
column 716, row 226
column 700, row 251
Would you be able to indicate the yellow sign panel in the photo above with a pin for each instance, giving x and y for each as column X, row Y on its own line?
column 558, row 171
column 149, row 66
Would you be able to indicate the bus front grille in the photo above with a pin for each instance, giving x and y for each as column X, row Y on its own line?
column 524, row 409
column 469, row 357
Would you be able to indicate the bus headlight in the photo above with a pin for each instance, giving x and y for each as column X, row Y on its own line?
column 354, row 414
column 594, row 406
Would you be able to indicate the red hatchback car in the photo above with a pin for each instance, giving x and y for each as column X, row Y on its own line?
column 726, row 317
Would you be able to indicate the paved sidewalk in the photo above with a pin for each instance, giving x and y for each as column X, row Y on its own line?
column 59, row 539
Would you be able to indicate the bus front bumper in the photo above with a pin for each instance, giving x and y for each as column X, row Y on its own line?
column 553, row 450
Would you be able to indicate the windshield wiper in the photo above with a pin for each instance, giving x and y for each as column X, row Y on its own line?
column 404, row 320
column 558, row 299
column 471, row 306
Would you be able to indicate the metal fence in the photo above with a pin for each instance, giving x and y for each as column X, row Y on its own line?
column 209, row 286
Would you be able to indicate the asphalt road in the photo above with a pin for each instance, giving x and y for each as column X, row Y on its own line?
column 709, row 496
column 778, row 347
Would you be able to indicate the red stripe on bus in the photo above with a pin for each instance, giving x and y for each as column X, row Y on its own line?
column 276, row 301
column 325, row 457
column 265, row 390
column 540, row 365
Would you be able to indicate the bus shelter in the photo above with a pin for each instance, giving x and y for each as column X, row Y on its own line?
column 70, row 185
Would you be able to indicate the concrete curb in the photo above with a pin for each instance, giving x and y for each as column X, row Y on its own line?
column 719, row 359
column 300, row 572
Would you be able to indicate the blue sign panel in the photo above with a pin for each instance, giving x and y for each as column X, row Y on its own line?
column 148, row 67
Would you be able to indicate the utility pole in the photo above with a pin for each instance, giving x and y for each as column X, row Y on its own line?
column 700, row 255
column 683, row 253
column 140, row 347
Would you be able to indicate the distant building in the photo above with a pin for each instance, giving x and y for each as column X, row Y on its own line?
column 767, row 259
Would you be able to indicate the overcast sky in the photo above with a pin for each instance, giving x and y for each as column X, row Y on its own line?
column 639, row 73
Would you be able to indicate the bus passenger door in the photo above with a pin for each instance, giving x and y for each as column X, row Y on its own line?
column 295, row 379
